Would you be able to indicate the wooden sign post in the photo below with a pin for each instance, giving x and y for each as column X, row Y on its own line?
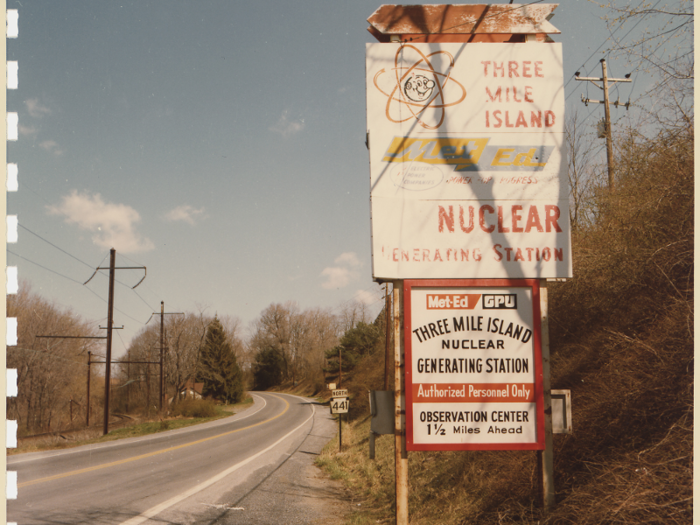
column 467, row 175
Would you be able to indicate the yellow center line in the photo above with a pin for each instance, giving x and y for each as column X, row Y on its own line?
column 150, row 454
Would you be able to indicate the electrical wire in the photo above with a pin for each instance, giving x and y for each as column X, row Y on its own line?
column 604, row 42
column 73, row 280
column 49, row 270
column 84, row 263
column 52, row 355
column 122, row 340
column 57, row 247
column 24, row 185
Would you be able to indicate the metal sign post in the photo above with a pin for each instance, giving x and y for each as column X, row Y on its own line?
column 340, row 406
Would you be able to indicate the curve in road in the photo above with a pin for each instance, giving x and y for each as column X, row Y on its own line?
column 135, row 480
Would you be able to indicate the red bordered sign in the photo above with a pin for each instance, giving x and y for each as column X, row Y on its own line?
column 473, row 365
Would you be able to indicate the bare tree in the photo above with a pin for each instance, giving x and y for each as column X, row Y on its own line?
column 273, row 330
column 353, row 312
column 663, row 44
column 582, row 173
column 50, row 372
column 185, row 340
column 657, row 40
column 299, row 337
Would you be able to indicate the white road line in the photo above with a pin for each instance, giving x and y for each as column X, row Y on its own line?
column 153, row 511
column 35, row 456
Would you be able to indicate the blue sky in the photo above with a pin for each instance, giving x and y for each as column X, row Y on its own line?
column 218, row 143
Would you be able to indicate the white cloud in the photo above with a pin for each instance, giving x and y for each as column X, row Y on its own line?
column 341, row 275
column 286, row 126
column 336, row 277
column 27, row 131
column 35, row 108
column 112, row 225
column 366, row 297
column 52, row 147
column 348, row 259
column 185, row 213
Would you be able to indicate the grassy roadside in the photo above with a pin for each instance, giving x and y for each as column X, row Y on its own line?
column 94, row 434
column 621, row 336
column 444, row 487
column 370, row 481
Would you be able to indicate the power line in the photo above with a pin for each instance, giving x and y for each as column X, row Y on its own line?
column 83, row 262
column 122, row 340
column 49, row 270
column 605, row 41
column 606, row 106
column 23, row 184
column 74, row 257
column 52, row 355
column 73, row 280
column 52, row 244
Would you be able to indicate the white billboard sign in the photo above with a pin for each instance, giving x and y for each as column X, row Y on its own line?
column 467, row 167
column 473, row 365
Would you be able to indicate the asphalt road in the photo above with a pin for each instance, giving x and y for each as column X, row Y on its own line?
column 254, row 467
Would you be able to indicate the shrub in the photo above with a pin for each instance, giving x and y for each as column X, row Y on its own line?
column 194, row 408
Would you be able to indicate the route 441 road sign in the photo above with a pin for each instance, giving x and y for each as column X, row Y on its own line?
column 340, row 405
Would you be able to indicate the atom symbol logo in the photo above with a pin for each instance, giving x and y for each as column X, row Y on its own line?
column 419, row 87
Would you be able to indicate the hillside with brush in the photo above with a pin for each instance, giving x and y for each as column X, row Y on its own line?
column 621, row 339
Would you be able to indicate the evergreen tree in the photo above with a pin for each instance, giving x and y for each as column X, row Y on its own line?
column 268, row 368
column 218, row 367
column 357, row 342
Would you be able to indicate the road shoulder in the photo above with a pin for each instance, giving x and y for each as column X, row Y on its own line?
column 297, row 491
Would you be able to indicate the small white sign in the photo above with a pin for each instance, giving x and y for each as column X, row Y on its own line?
column 339, row 393
column 340, row 405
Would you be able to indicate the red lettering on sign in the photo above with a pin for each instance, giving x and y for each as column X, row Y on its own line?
column 446, row 222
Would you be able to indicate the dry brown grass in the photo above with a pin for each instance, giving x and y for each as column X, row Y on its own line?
column 621, row 339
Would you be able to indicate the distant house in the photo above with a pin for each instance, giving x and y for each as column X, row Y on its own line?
column 191, row 390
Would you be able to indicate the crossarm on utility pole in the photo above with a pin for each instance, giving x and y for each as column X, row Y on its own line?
column 607, row 82
column 162, row 347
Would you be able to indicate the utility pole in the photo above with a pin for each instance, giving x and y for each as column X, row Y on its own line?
column 128, row 386
column 110, row 318
column 91, row 362
column 160, row 393
column 387, row 352
column 87, row 414
column 148, row 389
column 606, row 102
column 162, row 347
